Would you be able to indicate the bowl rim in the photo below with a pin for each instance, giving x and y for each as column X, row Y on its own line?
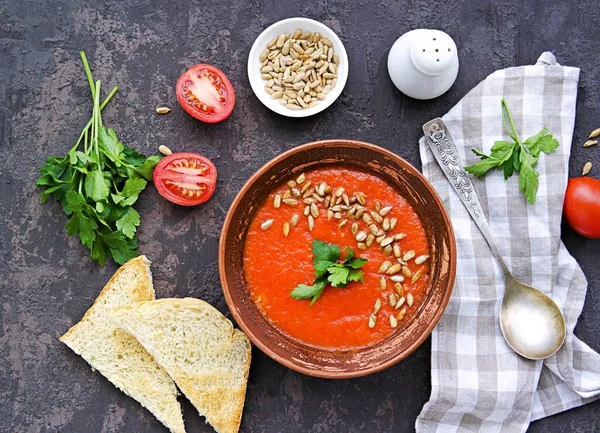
column 290, row 362
column 257, row 87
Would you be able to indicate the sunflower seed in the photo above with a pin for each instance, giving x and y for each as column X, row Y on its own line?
column 385, row 242
column 397, row 278
column 409, row 300
column 382, row 283
column 306, row 211
column 293, row 107
column 346, row 199
column 277, row 201
column 373, row 229
column 339, row 191
column 393, row 222
column 163, row 110
column 311, row 223
column 378, row 218
column 416, row 276
column 387, row 250
column 394, row 269
column 314, row 210
column 266, row 224
column 354, row 228
column 296, row 192
column 370, row 240
column 408, row 255
column 342, row 223
column 377, row 306
column 399, row 236
column 361, row 246
column 329, row 214
column 586, row 144
column 386, row 224
column 595, row 133
column 401, row 314
column 587, row 167
column 306, row 186
column 361, row 236
column 360, row 197
column 393, row 321
column 392, row 299
column 421, row 259
column 286, row 228
column 372, row 321
column 385, row 210
column 164, row 150
column 399, row 289
column 359, row 213
column 377, row 205
column 321, row 189
column 397, row 250
column 400, row 302
column 294, row 219
column 290, row 201
column 406, row 271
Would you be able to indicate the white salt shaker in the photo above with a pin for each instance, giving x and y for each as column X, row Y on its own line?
column 423, row 63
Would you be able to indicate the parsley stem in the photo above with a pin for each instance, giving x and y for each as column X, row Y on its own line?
column 89, row 124
column 96, row 115
column 506, row 114
column 88, row 72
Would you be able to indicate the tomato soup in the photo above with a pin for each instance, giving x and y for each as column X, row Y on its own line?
column 353, row 209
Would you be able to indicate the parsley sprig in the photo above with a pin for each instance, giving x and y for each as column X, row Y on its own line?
column 520, row 156
column 329, row 269
column 97, row 183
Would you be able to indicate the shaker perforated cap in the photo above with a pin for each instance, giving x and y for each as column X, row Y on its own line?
column 433, row 53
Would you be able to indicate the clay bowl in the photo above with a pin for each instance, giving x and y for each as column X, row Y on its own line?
column 318, row 361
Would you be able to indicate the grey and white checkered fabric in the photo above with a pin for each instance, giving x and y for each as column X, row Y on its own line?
column 478, row 382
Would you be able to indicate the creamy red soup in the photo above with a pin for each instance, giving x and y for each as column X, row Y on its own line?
column 353, row 209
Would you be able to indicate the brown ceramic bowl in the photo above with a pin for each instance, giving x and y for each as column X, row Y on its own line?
column 318, row 361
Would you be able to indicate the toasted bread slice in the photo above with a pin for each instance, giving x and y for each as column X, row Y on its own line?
column 117, row 355
column 208, row 360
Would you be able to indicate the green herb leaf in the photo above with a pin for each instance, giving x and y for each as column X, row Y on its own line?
column 356, row 276
column 321, row 267
column 338, row 275
column 528, row 177
column 146, row 170
column 96, row 187
column 83, row 226
column 303, row 291
column 128, row 223
column 357, row 263
column 324, row 251
column 349, row 254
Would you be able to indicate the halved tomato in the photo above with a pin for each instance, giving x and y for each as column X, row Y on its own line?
column 185, row 178
column 206, row 93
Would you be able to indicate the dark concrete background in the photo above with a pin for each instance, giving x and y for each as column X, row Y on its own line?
column 47, row 280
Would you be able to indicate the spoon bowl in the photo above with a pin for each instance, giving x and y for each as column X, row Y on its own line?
column 531, row 322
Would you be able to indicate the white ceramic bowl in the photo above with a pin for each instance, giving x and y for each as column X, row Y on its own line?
column 289, row 26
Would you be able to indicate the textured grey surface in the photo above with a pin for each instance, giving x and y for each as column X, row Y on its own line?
column 47, row 280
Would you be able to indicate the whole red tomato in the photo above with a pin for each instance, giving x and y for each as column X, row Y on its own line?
column 582, row 206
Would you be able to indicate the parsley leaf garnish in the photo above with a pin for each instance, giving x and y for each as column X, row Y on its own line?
column 516, row 155
column 97, row 183
column 329, row 269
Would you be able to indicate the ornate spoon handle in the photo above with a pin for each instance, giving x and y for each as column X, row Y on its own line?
column 440, row 141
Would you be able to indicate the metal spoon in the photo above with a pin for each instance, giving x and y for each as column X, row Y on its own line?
column 531, row 322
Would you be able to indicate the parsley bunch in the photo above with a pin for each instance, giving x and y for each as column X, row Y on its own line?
column 520, row 156
column 97, row 183
column 329, row 269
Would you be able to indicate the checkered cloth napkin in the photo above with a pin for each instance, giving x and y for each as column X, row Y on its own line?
column 478, row 382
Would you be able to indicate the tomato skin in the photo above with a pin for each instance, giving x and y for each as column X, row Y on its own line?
column 582, row 206
column 185, row 178
column 214, row 111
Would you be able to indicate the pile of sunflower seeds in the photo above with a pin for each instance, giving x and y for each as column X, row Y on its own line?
column 299, row 69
